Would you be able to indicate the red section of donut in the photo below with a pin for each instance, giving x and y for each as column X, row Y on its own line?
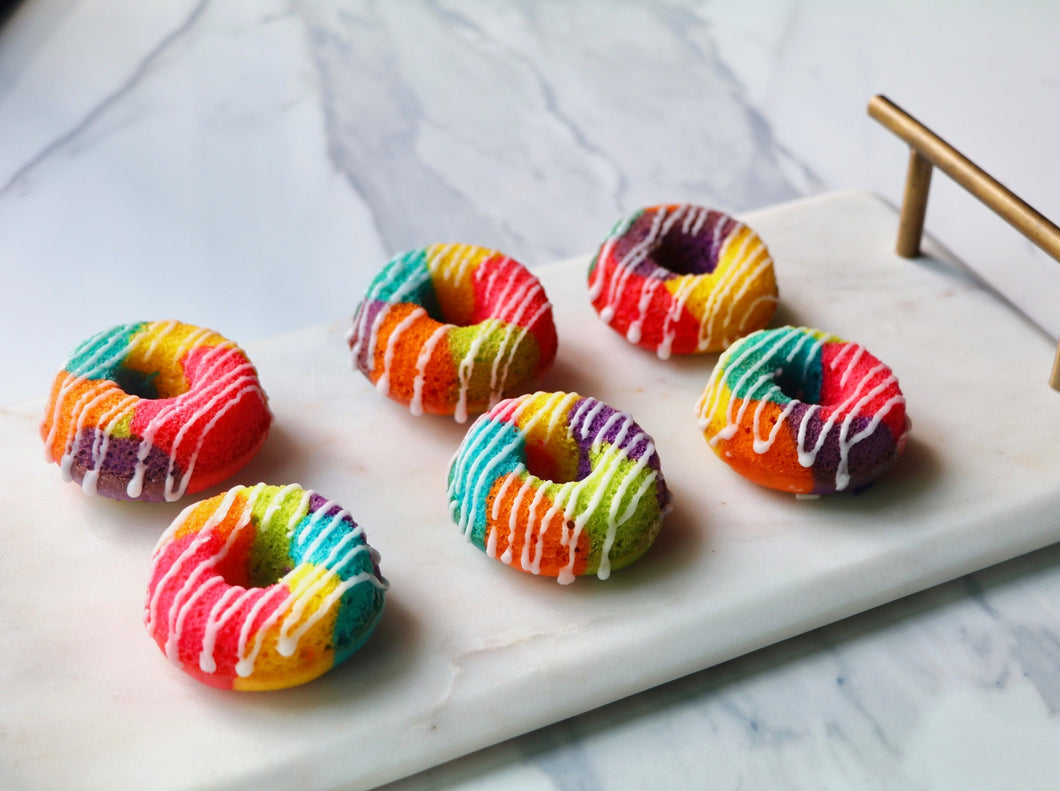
column 218, row 424
column 659, row 314
column 843, row 375
column 182, row 586
column 507, row 291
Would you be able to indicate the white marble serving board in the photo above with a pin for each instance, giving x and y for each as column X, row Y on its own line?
column 470, row 652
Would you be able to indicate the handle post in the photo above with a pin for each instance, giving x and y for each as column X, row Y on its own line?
column 927, row 151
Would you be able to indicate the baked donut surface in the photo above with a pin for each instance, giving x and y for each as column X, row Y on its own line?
column 558, row 484
column 802, row 411
column 262, row 588
column 452, row 329
column 682, row 279
column 153, row 410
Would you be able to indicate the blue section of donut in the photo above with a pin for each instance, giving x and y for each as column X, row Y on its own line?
column 406, row 278
column 102, row 355
column 326, row 530
column 792, row 355
column 492, row 450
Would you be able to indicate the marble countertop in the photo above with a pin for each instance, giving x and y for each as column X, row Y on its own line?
column 249, row 165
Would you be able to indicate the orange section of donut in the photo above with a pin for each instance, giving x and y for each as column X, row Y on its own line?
column 405, row 365
column 95, row 398
column 538, row 539
column 776, row 468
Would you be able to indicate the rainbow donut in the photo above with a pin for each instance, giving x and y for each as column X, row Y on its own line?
column 452, row 329
column 558, row 484
column 153, row 410
column 679, row 279
column 802, row 411
column 262, row 588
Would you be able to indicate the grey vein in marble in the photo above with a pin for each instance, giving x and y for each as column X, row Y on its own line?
column 109, row 101
column 408, row 129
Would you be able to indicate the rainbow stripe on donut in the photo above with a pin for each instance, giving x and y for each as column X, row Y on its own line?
column 452, row 329
column 803, row 411
column 152, row 410
column 262, row 588
column 681, row 279
column 558, row 484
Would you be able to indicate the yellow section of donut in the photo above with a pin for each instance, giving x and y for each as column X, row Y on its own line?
column 739, row 296
column 551, row 450
column 158, row 352
column 305, row 626
column 451, row 266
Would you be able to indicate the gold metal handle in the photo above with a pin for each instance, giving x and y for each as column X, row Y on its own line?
column 927, row 149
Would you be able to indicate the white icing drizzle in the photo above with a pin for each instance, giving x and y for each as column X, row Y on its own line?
column 209, row 390
column 758, row 383
column 416, row 404
column 507, row 328
column 383, row 384
column 748, row 263
column 473, row 472
column 190, row 578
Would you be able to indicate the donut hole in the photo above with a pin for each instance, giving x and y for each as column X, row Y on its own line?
column 798, row 387
column 446, row 312
column 141, row 384
column 684, row 254
column 547, row 460
column 233, row 570
column 248, row 573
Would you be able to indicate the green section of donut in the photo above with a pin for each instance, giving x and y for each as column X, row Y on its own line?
column 627, row 498
column 791, row 354
column 270, row 552
column 490, row 353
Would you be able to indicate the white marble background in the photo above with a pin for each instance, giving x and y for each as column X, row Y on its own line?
column 249, row 165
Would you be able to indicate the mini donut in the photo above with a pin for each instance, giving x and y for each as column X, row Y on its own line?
column 153, row 410
column 558, row 484
column 680, row 279
column 802, row 411
column 452, row 329
column 262, row 588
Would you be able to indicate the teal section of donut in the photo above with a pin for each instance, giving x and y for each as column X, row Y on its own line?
column 406, row 278
column 315, row 531
column 801, row 376
column 491, row 450
column 103, row 355
column 328, row 536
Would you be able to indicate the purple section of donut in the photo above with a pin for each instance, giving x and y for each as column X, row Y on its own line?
column 684, row 248
column 119, row 465
column 865, row 460
column 317, row 501
column 372, row 308
column 589, row 416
